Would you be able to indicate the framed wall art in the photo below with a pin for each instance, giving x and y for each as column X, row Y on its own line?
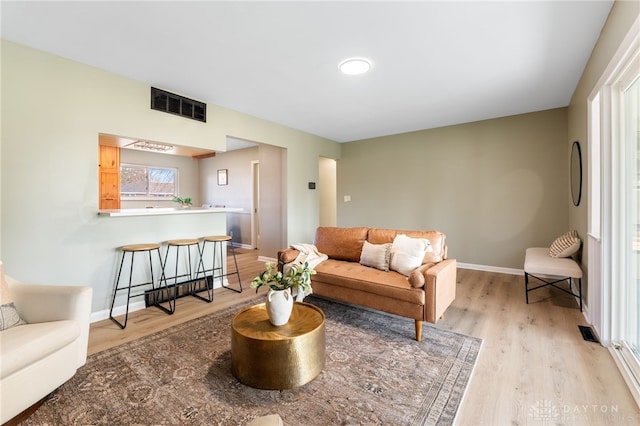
column 222, row 177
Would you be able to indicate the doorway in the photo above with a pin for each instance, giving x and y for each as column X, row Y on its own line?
column 327, row 191
column 255, row 205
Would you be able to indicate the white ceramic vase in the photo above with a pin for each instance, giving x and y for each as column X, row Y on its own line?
column 279, row 305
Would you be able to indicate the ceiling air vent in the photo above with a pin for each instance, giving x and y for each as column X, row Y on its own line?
column 162, row 100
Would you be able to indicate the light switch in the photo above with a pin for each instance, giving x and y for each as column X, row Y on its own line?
column 347, row 198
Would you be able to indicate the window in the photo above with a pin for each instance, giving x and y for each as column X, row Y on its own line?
column 147, row 182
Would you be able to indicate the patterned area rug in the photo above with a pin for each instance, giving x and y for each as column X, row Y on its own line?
column 375, row 374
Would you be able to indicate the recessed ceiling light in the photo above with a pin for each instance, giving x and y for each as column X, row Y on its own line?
column 355, row 66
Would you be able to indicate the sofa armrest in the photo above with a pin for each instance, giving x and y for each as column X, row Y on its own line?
column 440, row 288
column 44, row 303
column 285, row 256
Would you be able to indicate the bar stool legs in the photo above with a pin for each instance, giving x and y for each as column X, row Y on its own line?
column 132, row 250
column 187, row 277
column 217, row 270
column 235, row 262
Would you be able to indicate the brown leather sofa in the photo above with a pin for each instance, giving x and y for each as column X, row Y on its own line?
column 423, row 295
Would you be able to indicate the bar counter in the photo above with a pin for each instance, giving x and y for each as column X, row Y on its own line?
column 117, row 228
column 154, row 211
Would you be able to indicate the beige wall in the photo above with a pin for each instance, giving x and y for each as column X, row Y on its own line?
column 237, row 192
column 272, row 193
column 623, row 15
column 618, row 24
column 53, row 111
column 494, row 187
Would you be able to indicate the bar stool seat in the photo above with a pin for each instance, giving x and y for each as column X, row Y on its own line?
column 132, row 249
column 187, row 278
column 183, row 242
column 140, row 247
column 218, row 268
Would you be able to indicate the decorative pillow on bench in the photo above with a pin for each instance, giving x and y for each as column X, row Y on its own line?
column 408, row 253
column 565, row 245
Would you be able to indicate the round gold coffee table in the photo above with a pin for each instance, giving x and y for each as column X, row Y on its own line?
column 264, row 356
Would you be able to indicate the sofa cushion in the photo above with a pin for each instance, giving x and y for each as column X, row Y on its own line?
column 9, row 316
column 341, row 243
column 376, row 255
column 356, row 276
column 24, row 345
column 438, row 245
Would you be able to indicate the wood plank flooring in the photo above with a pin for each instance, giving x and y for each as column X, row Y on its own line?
column 106, row 334
column 534, row 367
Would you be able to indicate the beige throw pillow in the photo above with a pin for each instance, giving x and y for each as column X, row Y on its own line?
column 376, row 255
column 565, row 245
column 8, row 314
column 408, row 253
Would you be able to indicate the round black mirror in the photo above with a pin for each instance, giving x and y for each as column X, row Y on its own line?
column 576, row 173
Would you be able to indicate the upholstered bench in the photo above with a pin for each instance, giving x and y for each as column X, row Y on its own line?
column 539, row 263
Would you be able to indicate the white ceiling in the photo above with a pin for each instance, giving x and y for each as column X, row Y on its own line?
column 435, row 63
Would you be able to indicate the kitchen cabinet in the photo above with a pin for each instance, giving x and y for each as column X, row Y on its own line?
column 109, row 170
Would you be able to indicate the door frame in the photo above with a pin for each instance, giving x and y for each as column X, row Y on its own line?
column 255, row 204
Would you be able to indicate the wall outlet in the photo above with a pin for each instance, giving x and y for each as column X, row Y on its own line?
column 347, row 198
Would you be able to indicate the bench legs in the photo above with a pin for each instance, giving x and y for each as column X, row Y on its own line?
column 553, row 284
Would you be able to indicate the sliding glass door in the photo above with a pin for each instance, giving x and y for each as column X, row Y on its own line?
column 614, row 210
column 629, row 239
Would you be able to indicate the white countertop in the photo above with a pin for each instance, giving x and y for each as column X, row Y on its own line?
column 152, row 211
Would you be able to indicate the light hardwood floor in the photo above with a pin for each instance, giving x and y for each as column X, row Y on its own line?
column 106, row 334
column 534, row 368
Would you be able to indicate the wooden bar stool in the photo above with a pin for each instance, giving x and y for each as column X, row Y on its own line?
column 218, row 269
column 187, row 277
column 133, row 249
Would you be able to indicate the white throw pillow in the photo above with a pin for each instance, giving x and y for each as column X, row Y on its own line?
column 376, row 255
column 407, row 253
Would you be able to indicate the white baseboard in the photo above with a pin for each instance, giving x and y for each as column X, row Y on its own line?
column 242, row 246
column 267, row 259
column 133, row 306
column 117, row 311
column 497, row 269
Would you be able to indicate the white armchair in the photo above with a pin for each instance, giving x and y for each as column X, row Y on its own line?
column 43, row 354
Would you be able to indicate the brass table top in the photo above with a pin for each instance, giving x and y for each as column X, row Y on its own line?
column 268, row 357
